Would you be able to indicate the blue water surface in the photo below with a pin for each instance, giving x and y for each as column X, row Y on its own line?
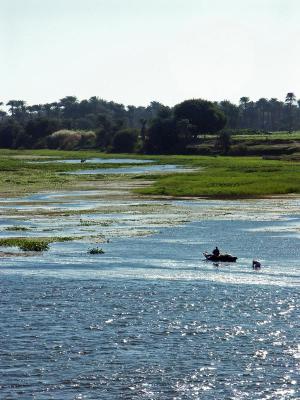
column 150, row 319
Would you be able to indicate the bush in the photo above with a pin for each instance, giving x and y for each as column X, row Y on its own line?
column 95, row 250
column 70, row 140
column 124, row 141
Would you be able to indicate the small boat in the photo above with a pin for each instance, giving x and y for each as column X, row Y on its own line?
column 220, row 257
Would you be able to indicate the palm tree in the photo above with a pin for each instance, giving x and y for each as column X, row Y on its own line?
column 244, row 102
column 35, row 108
column 262, row 105
column 231, row 111
column 289, row 101
column 275, row 113
column 17, row 108
column 12, row 106
column 290, row 98
column 68, row 105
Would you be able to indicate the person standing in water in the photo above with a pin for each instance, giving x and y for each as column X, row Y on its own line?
column 216, row 252
column 256, row 264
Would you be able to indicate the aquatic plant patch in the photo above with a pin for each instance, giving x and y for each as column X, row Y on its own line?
column 95, row 250
column 93, row 222
column 16, row 228
column 32, row 244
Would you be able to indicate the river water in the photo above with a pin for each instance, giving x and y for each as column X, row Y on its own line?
column 149, row 318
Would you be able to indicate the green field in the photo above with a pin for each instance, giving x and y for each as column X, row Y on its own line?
column 216, row 177
column 281, row 145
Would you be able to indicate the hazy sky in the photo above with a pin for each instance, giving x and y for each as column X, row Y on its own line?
column 136, row 51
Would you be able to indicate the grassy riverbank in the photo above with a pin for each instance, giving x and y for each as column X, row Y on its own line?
column 227, row 177
column 222, row 177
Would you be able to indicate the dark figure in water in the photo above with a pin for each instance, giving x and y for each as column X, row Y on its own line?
column 83, row 160
column 256, row 264
column 216, row 252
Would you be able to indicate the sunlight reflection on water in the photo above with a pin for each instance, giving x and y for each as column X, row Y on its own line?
column 149, row 318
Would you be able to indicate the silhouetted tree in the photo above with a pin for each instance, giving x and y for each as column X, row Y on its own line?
column 232, row 113
column 204, row 115
column 223, row 142
column 290, row 99
column 162, row 136
column 262, row 105
column 125, row 140
column 9, row 131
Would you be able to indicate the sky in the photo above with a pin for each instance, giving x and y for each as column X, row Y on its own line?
column 137, row 51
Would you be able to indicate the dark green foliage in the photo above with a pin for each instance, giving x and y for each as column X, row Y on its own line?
column 161, row 129
column 95, row 250
column 223, row 142
column 124, row 141
column 232, row 113
column 162, row 137
column 10, row 131
column 173, row 133
column 41, row 127
column 204, row 115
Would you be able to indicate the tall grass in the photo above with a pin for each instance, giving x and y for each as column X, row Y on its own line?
column 31, row 244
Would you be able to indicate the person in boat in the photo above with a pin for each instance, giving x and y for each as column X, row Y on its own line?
column 216, row 252
column 256, row 264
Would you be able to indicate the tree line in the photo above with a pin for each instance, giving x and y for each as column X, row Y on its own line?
column 266, row 115
column 109, row 126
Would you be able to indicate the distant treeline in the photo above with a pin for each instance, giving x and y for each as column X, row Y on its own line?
column 109, row 126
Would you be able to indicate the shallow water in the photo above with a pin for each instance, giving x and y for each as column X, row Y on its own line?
column 131, row 170
column 150, row 319
column 96, row 161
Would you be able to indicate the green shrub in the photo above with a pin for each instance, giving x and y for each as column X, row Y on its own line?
column 95, row 250
column 125, row 140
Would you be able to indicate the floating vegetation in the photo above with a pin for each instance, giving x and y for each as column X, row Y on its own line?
column 95, row 250
column 16, row 228
column 93, row 222
column 32, row 244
